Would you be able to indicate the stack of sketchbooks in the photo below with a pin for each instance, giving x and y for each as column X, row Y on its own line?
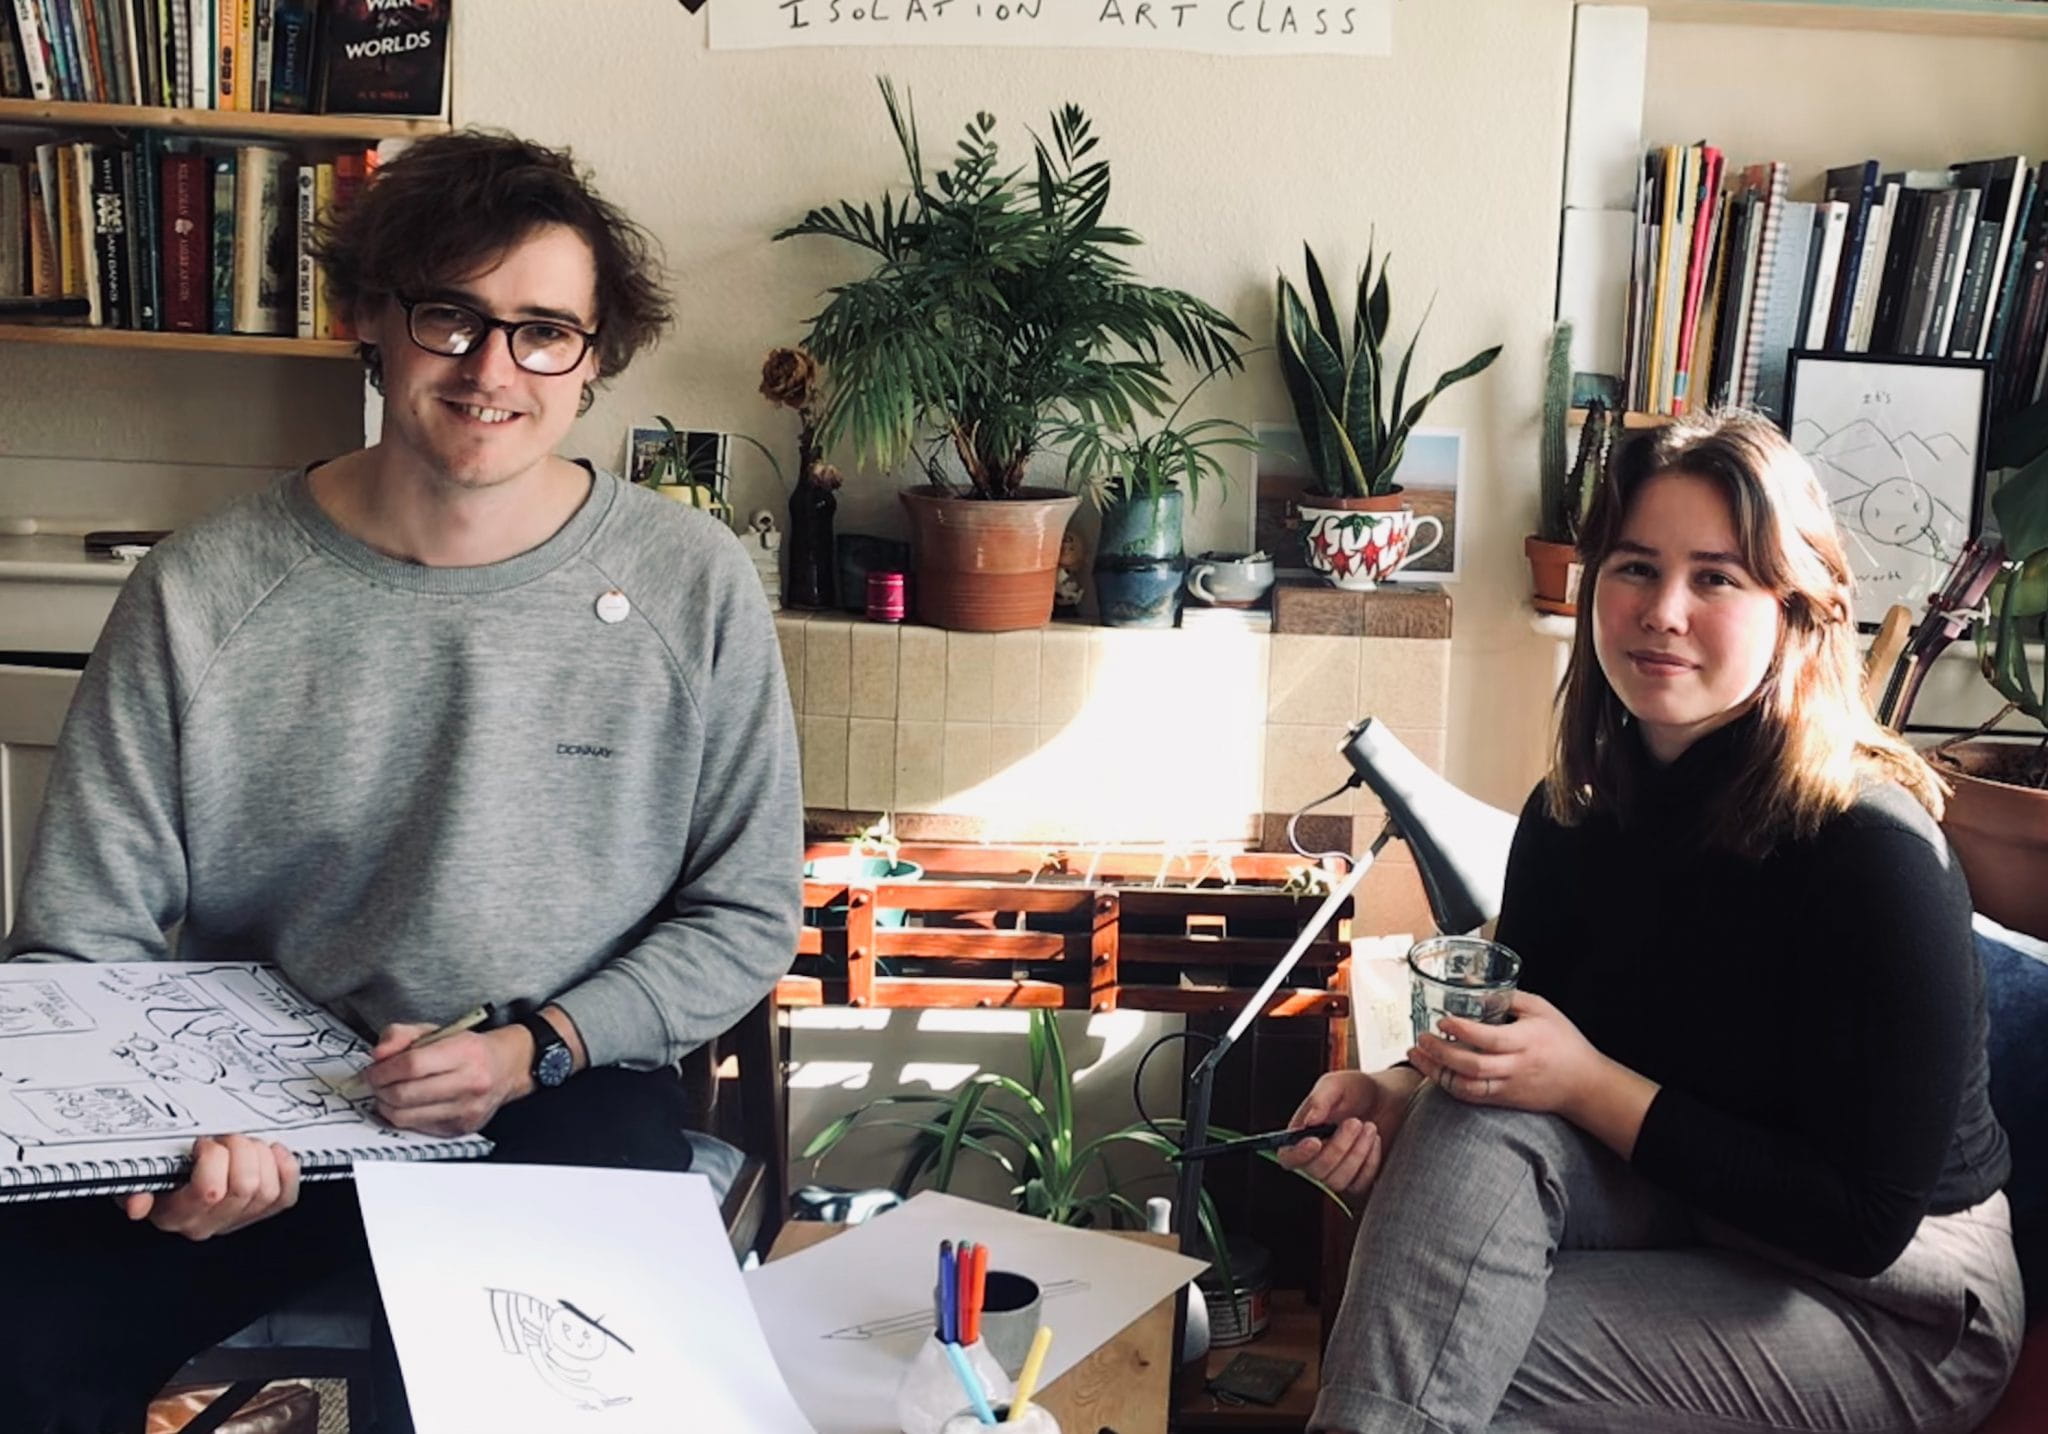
column 1731, row 275
column 108, row 1073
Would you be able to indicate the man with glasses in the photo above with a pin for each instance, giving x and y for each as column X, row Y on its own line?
column 445, row 721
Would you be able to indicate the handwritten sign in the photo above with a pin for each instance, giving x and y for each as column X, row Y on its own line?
column 1217, row 27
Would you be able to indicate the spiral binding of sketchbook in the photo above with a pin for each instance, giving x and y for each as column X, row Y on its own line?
column 108, row 1073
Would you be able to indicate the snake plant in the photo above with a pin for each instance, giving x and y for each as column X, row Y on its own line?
column 1350, row 411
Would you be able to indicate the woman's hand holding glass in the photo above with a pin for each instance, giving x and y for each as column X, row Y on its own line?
column 1536, row 1061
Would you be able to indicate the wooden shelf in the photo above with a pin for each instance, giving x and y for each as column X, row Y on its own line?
column 2002, row 19
column 1629, row 420
column 176, row 343
column 68, row 115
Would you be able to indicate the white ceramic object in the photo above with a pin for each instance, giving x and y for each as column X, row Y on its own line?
column 1036, row 1420
column 931, row 1394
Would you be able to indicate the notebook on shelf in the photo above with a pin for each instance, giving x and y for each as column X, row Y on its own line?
column 109, row 1072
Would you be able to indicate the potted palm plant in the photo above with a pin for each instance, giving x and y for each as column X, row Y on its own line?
column 1000, row 305
column 1143, row 482
column 1357, row 527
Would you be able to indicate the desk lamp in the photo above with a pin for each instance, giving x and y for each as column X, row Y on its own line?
column 1460, row 846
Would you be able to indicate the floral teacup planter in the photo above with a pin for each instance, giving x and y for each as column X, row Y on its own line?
column 1360, row 548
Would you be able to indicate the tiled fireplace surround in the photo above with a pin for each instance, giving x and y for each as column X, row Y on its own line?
column 1078, row 734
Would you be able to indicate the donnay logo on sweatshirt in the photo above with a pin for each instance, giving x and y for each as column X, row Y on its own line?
column 584, row 749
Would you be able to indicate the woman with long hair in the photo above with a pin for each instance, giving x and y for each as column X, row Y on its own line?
column 1731, row 1165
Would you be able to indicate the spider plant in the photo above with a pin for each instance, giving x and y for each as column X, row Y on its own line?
column 1028, row 1132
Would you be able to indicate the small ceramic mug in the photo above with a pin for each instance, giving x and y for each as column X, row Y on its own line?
column 1360, row 550
column 1230, row 579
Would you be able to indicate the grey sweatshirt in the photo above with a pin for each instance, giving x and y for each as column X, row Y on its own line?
column 417, row 789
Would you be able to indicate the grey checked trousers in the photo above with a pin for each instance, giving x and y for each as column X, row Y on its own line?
column 1512, row 1273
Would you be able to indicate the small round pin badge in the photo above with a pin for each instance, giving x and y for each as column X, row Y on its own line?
column 612, row 606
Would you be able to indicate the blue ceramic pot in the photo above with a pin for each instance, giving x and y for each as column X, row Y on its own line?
column 1139, row 563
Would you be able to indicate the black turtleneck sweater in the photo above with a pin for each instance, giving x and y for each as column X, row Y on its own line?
column 1815, row 1018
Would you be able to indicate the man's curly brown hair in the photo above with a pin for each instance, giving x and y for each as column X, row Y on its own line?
column 453, row 204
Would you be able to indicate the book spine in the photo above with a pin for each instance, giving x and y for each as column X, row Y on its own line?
column 35, row 50
column 1887, row 316
column 227, row 56
column 1976, row 291
column 262, row 302
column 64, row 48
column 1855, row 186
column 305, row 312
column 110, row 237
column 145, row 173
column 13, row 229
column 323, row 210
column 1948, row 285
column 129, row 43
column 82, row 204
column 260, row 65
column 135, row 310
column 223, row 250
column 13, row 78
column 1773, row 198
column 186, row 230
column 2015, row 265
column 44, row 279
column 92, row 42
column 294, row 27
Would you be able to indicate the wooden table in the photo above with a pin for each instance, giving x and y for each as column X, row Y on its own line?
column 1122, row 1386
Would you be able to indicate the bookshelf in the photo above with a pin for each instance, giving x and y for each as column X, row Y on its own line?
column 1994, row 19
column 240, row 124
column 72, row 118
column 82, row 336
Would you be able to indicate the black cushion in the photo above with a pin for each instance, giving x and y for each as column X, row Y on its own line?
column 2016, row 993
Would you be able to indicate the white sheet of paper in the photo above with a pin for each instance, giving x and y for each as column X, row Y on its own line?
column 845, row 1316
column 530, row 1299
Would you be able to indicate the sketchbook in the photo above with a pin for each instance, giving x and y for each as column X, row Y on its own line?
column 109, row 1072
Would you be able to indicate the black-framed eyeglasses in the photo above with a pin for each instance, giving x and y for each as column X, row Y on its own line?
column 542, row 346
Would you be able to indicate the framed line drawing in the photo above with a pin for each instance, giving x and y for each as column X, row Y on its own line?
column 1898, row 443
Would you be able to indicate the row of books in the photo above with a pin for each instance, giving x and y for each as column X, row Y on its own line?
column 278, row 56
column 158, row 233
column 1731, row 275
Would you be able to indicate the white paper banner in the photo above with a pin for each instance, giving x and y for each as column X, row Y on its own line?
column 1217, row 27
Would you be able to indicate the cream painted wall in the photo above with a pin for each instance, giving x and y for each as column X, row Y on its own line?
column 1911, row 101
column 1451, row 149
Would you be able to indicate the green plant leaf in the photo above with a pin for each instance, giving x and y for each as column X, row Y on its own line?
column 823, row 1142
column 2021, row 504
column 1319, row 294
column 2020, row 438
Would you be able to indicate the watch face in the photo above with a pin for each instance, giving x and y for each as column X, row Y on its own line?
column 553, row 1065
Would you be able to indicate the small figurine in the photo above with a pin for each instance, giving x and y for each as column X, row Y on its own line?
column 764, row 546
column 1066, row 589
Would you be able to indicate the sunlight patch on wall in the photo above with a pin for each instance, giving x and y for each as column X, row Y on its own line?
column 976, row 1023
column 939, row 1075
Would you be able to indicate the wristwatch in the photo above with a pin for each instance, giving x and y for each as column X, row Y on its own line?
column 552, row 1061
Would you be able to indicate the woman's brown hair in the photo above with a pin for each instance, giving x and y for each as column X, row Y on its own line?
column 453, row 204
column 1811, row 742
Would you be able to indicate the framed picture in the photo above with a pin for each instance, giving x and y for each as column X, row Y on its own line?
column 704, row 453
column 1432, row 473
column 1898, row 444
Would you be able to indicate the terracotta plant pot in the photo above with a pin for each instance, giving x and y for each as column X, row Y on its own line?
column 1358, row 543
column 1999, row 829
column 986, row 565
column 1553, row 576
